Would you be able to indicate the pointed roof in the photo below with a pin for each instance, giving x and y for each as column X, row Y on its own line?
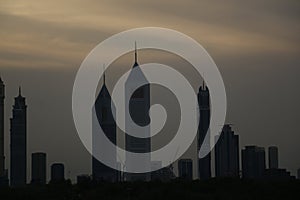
column 203, row 87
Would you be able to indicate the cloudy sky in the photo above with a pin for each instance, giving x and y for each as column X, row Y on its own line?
column 255, row 44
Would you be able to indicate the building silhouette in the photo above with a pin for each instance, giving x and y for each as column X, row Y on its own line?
column 185, row 169
column 57, row 173
column 204, row 164
column 273, row 157
column 104, row 109
column 139, row 105
column 253, row 162
column 227, row 154
column 298, row 174
column 277, row 174
column 3, row 172
column 38, row 168
column 18, row 145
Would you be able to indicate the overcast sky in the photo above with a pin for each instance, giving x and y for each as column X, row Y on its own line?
column 255, row 44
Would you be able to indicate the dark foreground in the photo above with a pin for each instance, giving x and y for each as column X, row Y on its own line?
column 212, row 189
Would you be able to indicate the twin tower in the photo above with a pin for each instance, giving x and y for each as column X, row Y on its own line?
column 139, row 106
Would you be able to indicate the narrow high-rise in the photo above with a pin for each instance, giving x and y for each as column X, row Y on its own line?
column 3, row 171
column 204, row 164
column 2, row 157
column 185, row 169
column 139, row 105
column 18, row 145
column 104, row 113
column 253, row 162
column 38, row 168
column 273, row 157
column 227, row 154
column 57, row 173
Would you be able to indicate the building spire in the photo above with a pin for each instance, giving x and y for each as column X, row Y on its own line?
column 135, row 52
column 103, row 74
column 19, row 90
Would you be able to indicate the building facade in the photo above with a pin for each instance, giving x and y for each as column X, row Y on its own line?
column 38, row 168
column 253, row 162
column 273, row 157
column 2, row 157
column 18, row 147
column 185, row 169
column 57, row 172
column 3, row 171
column 227, row 154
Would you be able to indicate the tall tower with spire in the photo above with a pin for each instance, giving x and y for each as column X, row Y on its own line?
column 2, row 158
column 139, row 105
column 104, row 113
column 18, row 147
column 204, row 164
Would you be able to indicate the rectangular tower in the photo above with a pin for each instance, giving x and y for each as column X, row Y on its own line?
column 227, row 154
column 273, row 157
column 38, row 168
column 185, row 169
column 18, row 150
column 57, row 173
column 253, row 162
column 2, row 157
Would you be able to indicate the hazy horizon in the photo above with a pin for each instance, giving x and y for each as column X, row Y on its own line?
column 255, row 45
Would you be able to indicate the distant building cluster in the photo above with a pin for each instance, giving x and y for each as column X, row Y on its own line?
column 226, row 151
column 18, row 149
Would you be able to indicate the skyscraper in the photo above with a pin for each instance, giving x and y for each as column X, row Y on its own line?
column 253, row 162
column 101, row 172
column 227, row 154
column 2, row 157
column 18, row 148
column 273, row 157
column 57, row 172
column 204, row 164
column 3, row 172
column 38, row 168
column 185, row 169
column 139, row 105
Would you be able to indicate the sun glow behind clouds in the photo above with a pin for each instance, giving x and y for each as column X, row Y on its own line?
column 60, row 33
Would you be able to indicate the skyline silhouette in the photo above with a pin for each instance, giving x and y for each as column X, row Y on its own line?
column 253, row 158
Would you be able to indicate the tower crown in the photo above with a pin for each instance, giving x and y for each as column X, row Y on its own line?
column 135, row 56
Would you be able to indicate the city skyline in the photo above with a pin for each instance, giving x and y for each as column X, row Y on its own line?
column 253, row 158
column 254, row 44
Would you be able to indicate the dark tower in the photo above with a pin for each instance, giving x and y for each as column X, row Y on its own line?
column 185, row 169
column 204, row 164
column 139, row 105
column 253, row 162
column 227, row 154
column 18, row 142
column 57, row 173
column 105, row 118
column 2, row 96
column 3, row 172
column 38, row 168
